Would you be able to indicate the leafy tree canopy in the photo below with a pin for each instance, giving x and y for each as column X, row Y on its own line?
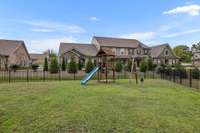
column 183, row 52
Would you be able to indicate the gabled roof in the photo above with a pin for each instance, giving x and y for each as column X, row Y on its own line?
column 85, row 49
column 119, row 42
column 7, row 47
column 158, row 49
column 37, row 56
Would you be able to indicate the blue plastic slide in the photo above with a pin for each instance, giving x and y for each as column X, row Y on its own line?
column 89, row 76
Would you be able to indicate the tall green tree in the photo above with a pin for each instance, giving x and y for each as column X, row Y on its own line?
column 89, row 66
column 150, row 64
column 72, row 67
column 54, row 66
column 80, row 65
column 52, row 54
column 183, row 52
column 63, row 65
column 143, row 66
column 118, row 66
column 45, row 67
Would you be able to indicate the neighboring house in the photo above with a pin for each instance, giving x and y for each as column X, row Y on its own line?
column 13, row 52
column 3, row 62
column 163, row 54
column 37, row 58
column 123, row 49
column 196, row 58
column 80, row 52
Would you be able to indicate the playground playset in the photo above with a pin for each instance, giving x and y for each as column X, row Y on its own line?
column 105, row 65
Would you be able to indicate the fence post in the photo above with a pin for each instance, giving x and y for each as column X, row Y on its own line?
column 198, row 79
column 170, row 76
column 74, row 76
column 161, row 74
column 190, row 77
column 27, row 75
column 174, row 75
column 59, row 74
column 153, row 74
column 9, row 75
column 180, row 76
column 124, row 74
column 43, row 75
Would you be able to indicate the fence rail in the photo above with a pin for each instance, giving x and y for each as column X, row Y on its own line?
column 187, row 77
column 30, row 75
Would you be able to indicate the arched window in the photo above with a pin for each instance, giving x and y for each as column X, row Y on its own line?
column 166, row 52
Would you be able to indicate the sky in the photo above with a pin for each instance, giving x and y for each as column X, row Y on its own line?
column 43, row 24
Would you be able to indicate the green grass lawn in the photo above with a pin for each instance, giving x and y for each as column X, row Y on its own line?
column 62, row 107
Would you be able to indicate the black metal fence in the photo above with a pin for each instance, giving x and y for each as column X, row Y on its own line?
column 30, row 75
column 187, row 77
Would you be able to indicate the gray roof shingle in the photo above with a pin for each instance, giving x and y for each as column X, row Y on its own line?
column 7, row 47
column 158, row 49
column 119, row 42
column 37, row 56
column 85, row 49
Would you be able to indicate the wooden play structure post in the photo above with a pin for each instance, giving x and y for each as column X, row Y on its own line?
column 133, row 71
column 106, row 62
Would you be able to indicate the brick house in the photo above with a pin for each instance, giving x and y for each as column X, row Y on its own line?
column 80, row 52
column 123, row 49
column 13, row 52
column 196, row 58
column 37, row 58
column 3, row 62
column 163, row 54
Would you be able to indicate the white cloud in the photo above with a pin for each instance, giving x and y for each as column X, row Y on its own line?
column 41, row 30
column 192, row 10
column 94, row 19
column 140, row 36
column 181, row 33
column 189, row 2
column 41, row 45
column 53, row 26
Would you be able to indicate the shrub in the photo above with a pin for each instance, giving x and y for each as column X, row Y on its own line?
column 89, row 66
column 80, row 65
column 14, row 67
column 34, row 67
column 72, row 66
column 63, row 65
column 118, row 66
column 151, row 66
column 180, row 71
column 54, row 66
column 161, row 68
column 143, row 66
column 129, row 65
column 195, row 73
column 46, row 67
column 168, row 70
